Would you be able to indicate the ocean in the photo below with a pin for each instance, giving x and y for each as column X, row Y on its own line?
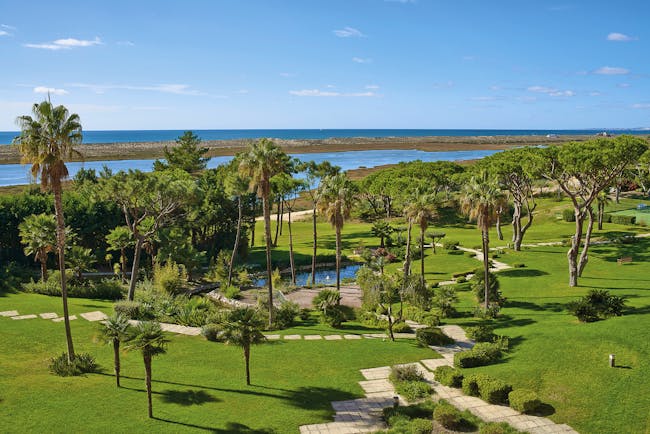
column 122, row 136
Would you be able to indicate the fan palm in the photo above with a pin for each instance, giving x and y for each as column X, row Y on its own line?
column 244, row 328
column 420, row 212
column 480, row 200
column 261, row 162
column 46, row 141
column 337, row 197
column 119, row 239
column 113, row 331
column 38, row 234
column 149, row 339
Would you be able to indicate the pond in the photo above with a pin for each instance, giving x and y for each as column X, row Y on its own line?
column 324, row 276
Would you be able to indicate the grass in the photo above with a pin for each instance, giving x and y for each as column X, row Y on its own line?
column 197, row 386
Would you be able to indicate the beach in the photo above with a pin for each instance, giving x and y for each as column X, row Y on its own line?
column 149, row 150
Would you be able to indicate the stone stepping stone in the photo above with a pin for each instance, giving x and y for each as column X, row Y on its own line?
column 432, row 364
column 72, row 318
column 9, row 313
column 374, row 386
column 376, row 373
column 272, row 337
column 48, row 315
column 181, row 330
column 292, row 337
column 351, row 337
column 312, row 337
column 24, row 317
column 94, row 316
column 333, row 337
column 374, row 335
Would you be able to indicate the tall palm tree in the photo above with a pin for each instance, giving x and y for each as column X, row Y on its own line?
column 420, row 212
column 149, row 339
column 261, row 162
column 244, row 328
column 114, row 331
column 236, row 186
column 603, row 200
column 480, row 201
column 38, row 234
column 338, row 195
column 119, row 239
column 46, row 141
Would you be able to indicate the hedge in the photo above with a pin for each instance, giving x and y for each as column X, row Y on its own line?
column 482, row 354
column 623, row 219
column 448, row 376
column 432, row 336
column 493, row 390
column 524, row 400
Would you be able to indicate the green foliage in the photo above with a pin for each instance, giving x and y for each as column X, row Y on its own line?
column 82, row 364
column 448, row 376
column 568, row 215
column 327, row 302
column 285, row 316
column 518, row 265
column 413, row 390
column 231, row 292
column 421, row 316
column 421, row 410
column 450, row 244
column 447, row 415
column 105, row 289
column 481, row 333
column 401, row 327
column 596, row 305
column 623, row 219
column 470, row 384
column 170, row 278
column 524, row 400
column 478, row 286
column 185, row 155
column 402, row 373
column 483, row 353
column 432, row 336
column 213, row 332
column 129, row 309
column 444, row 300
column 493, row 390
column 80, row 260
column 496, row 428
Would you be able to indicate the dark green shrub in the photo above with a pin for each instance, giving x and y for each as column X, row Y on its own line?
column 497, row 428
column 423, row 410
column 518, row 265
column 448, row 376
column 568, row 215
column 483, row 353
column 447, row 415
column 466, row 359
column 480, row 333
column 405, row 373
column 421, row 316
column 524, row 401
column 596, row 305
column 413, row 390
column 623, row 219
column 444, row 300
column 470, row 254
column 432, row 336
column 285, row 315
column 213, row 332
column 462, row 273
column 470, row 384
column 478, row 286
column 128, row 309
column 607, row 218
column 305, row 314
column 493, row 390
column 420, row 426
column 83, row 363
column 401, row 327
column 333, row 317
column 231, row 292
column 450, row 244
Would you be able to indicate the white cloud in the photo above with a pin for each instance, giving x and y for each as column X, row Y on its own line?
column 550, row 91
column 372, row 86
column 623, row 85
column 178, row 89
column 126, row 43
column 361, row 60
column 318, row 92
column 620, row 37
column 611, row 70
column 7, row 26
column 50, row 90
column 4, row 33
column 641, row 106
column 595, row 93
column 348, row 32
column 485, row 98
column 66, row 44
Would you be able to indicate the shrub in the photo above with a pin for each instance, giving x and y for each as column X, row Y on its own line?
column 478, row 286
column 470, row 384
column 333, row 317
column 401, row 327
column 212, row 332
column 420, row 426
column 128, row 309
column 231, row 292
column 432, row 336
column 413, row 390
column 421, row 316
column 493, row 390
column 518, row 265
column 596, row 305
column 286, row 315
column 480, row 333
column 189, row 314
column 447, row 415
column 305, row 314
column 405, row 373
column 524, row 401
column 607, row 218
column 448, row 376
column 568, row 215
column 171, row 277
column 496, row 428
column 83, row 363
column 470, row 254
column 482, row 354
column 462, row 273
column 623, row 219
column 443, row 300
column 422, row 410
column 450, row 244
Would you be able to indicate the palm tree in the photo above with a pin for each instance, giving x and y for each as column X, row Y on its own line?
column 261, row 162
column 38, row 234
column 338, row 195
column 244, row 328
column 118, row 240
column 80, row 260
column 149, row 339
column 420, row 211
column 46, row 141
column 237, row 186
column 603, row 200
column 113, row 331
column 481, row 199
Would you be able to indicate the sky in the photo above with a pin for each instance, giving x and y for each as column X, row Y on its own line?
column 243, row 64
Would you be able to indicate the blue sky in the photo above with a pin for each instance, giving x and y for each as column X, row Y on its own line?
column 329, row 64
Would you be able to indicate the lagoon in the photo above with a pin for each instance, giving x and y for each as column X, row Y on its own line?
column 18, row 174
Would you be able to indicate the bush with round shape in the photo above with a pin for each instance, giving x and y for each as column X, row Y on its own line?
column 470, row 385
column 496, row 428
column 405, row 373
column 413, row 390
column 447, row 415
column 213, row 332
column 285, row 315
column 432, row 336
column 480, row 333
column 401, row 327
column 128, row 309
column 448, row 376
column 524, row 400
column 493, row 390
column 420, row 426
column 83, row 363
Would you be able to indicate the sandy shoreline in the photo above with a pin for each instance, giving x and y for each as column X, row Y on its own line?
column 149, row 150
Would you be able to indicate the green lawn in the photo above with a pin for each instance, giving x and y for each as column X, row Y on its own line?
column 198, row 385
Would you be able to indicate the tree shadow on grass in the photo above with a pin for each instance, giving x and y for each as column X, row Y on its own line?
column 187, row 397
column 231, row 427
column 522, row 272
column 544, row 410
column 538, row 307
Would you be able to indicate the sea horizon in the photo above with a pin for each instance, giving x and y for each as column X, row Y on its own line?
column 140, row 136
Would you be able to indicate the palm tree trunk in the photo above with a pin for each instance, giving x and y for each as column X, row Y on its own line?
column 60, row 235
column 116, row 360
column 338, row 257
column 422, row 255
column 572, row 254
column 281, row 215
column 43, row 261
column 291, row 260
column 313, row 255
column 498, row 223
column 486, row 266
column 247, row 358
column 407, row 255
column 253, row 225
column 240, row 213
column 147, row 381
column 269, row 272
column 277, row 224
column 136, row 264
column 390, row 321
column 601, row 210
column 123, row 261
